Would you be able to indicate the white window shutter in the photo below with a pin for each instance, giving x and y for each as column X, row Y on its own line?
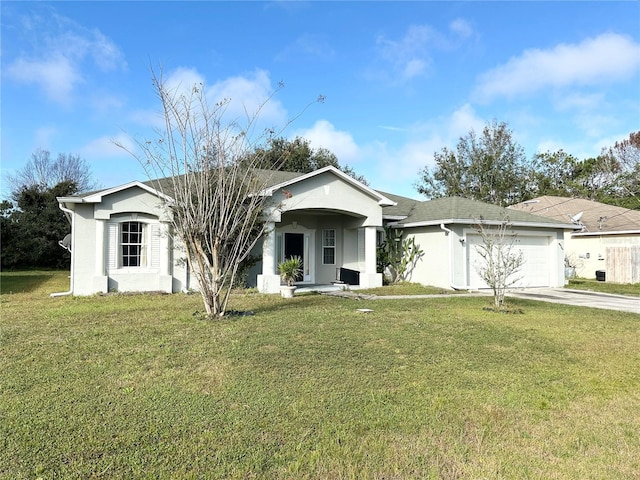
column 155, row 245
column 112, row 246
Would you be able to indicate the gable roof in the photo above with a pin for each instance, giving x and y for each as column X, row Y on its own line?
column 97, row 195
column 382, row 199
column 465, row 211
column 590, row 217
column 273, row 180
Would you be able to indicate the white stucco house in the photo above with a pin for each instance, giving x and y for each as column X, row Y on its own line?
column 121, row 239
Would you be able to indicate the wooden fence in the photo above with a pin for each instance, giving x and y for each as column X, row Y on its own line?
column 623, row 264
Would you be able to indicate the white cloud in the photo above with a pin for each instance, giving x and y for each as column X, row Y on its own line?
column 181, row 81
column 461, row 122
column 324, row 135
column 394, row 168
column 248, row 99
column 580, row 101
column 409, row 56
column 57, row 76
column 44, row 137
column 61, row 60
column 250, row 96
column 607, row 58
column 461, row 27
column 307, row 46
column 105, row 147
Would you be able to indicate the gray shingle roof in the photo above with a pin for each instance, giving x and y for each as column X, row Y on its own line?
column 595, row 217
column 458, row 209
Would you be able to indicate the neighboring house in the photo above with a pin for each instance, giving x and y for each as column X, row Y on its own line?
column 121, row 238
column 599, row 228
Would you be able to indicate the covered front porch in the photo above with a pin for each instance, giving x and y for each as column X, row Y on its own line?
column 328, row 242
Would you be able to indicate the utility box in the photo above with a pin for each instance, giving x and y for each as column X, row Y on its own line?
column 350, row 277
column 600, row 275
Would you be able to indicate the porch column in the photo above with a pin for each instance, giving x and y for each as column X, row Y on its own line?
column 269, row 280
column 100, row 279
column 370, row 278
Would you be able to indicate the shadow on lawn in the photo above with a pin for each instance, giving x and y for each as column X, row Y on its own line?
column 23, row 282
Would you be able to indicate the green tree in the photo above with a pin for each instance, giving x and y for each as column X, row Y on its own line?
column 32, row 228
column 490, row 167
column 554, row 173
column 297, row 156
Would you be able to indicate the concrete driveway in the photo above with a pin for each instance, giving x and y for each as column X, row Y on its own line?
column 580, row 298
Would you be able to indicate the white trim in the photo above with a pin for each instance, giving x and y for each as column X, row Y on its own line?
column 97, row 196
column 470, row 221
column 607, row 233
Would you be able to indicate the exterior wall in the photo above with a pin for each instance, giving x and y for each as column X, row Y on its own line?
column 434, row 268
column 330, row 193
column 588, row 253
column 86, row 281
column 95, row 246
column 445, row 263
column 130, row 200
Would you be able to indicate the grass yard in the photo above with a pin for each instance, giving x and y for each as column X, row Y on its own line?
column 604, row 287
column 137, row 386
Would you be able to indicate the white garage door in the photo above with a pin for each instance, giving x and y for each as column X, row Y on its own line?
column 536, row 271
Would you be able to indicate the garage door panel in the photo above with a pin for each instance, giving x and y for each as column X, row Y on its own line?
column 535, row 271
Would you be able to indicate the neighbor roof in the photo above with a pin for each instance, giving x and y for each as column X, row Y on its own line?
column 589, row 216
column 463, row 210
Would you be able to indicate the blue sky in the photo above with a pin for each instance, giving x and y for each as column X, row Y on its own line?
column 402, row 80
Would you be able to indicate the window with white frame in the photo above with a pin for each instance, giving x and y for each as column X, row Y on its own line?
column 133, row 245
column 329, row 247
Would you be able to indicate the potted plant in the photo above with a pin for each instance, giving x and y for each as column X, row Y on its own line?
column 290, row 270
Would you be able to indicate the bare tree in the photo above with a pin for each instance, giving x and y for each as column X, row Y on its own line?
column 210, row 171
column 43, row 172
column 500, row 260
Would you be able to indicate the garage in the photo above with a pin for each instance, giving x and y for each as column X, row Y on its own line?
column 537, row 268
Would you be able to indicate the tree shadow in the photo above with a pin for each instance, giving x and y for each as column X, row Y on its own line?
column 23, row 282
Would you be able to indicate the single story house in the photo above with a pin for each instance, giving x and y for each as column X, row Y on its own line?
column 605, row 239
column 121, row 237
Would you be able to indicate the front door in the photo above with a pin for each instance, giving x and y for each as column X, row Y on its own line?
column 299, row 244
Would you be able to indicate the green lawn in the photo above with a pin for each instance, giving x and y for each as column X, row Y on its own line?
column 137, row 386
column 605, row 287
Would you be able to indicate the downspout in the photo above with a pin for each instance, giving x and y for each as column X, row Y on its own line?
column 449, row 233
column 73, row 224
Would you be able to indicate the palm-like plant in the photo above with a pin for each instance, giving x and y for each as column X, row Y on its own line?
column 290, row 269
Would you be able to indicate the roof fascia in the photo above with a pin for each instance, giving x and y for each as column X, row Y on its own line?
column 469, row 221
column 97, row 197
column 610, row 232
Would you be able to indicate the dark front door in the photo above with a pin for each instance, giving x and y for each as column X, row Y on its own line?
column 294, row 246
